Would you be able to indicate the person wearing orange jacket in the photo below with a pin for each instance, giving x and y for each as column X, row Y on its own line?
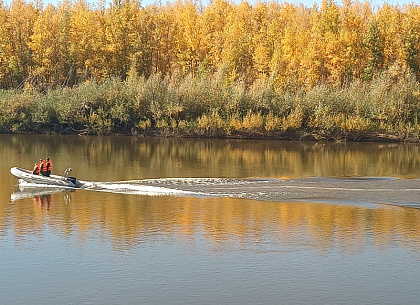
column 37, row 169
column 43, row 165
column 49, row 167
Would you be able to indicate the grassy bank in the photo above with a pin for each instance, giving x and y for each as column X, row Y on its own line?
column 386, row 107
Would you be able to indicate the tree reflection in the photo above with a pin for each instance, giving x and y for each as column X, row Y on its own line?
column 220, row 223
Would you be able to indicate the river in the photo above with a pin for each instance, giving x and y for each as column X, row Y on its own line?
column 193, row 221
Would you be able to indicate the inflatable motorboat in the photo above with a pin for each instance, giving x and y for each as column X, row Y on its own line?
column 28, row 176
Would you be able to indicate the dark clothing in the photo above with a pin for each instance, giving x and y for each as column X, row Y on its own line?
column 49, row 165
column 49, row 168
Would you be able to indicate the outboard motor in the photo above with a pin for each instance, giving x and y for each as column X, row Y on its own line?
column 72, row 180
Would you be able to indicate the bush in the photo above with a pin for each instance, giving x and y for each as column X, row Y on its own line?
column 212, row 105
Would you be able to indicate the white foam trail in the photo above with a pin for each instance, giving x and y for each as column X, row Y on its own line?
column 136, row 189
column 199, row 181
column 168, row 186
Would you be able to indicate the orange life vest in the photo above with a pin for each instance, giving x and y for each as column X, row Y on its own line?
column 49, row 165
column 36, row 169
column 43, row 166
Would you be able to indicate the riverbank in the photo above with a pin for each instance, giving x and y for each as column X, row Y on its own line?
column 384, row 109
column 301, row 135
column 282, row 136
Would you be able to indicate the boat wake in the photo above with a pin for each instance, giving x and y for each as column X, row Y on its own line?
column 136, row 187
column 364, row 191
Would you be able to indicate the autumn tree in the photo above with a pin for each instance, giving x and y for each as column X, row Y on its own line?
column 22, row 18
column 188, row 38
column 412, row 39
column 164, row 28
column 46, row 47
column 390, row 21
column 375, row 45
column 121, row 28
column 353, row 22
column 238, row 50
column 5, row 48
column 294, row 45
column 214, row 23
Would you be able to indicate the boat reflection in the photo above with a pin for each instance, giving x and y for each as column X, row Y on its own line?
column 41, row 195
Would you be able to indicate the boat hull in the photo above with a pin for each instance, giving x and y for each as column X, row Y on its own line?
column 28, row 176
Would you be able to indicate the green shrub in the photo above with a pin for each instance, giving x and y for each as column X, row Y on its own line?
column 215, row 105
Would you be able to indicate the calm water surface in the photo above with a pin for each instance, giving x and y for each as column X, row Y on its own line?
column 187, row 221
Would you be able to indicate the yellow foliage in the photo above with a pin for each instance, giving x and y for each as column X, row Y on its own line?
column 143, row 124
column 273, row 123
column 295, row 119
column 297, row 46
column 356, row 123
column 212, row 122
column 253, row 121
column 235, row 123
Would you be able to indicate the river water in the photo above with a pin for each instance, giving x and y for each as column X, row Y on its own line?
column 189, row 221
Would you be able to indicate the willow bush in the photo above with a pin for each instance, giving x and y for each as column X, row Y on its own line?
column 207, row 105
column 16, row 111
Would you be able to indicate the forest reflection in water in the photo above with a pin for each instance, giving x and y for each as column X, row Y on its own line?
column 128, row 158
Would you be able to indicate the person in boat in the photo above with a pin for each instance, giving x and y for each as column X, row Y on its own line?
column 49, row 167
column 43, row 166
column 37, row 169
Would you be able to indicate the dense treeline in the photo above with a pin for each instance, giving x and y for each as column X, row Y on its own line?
column 221, row 69
column 298, row 46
